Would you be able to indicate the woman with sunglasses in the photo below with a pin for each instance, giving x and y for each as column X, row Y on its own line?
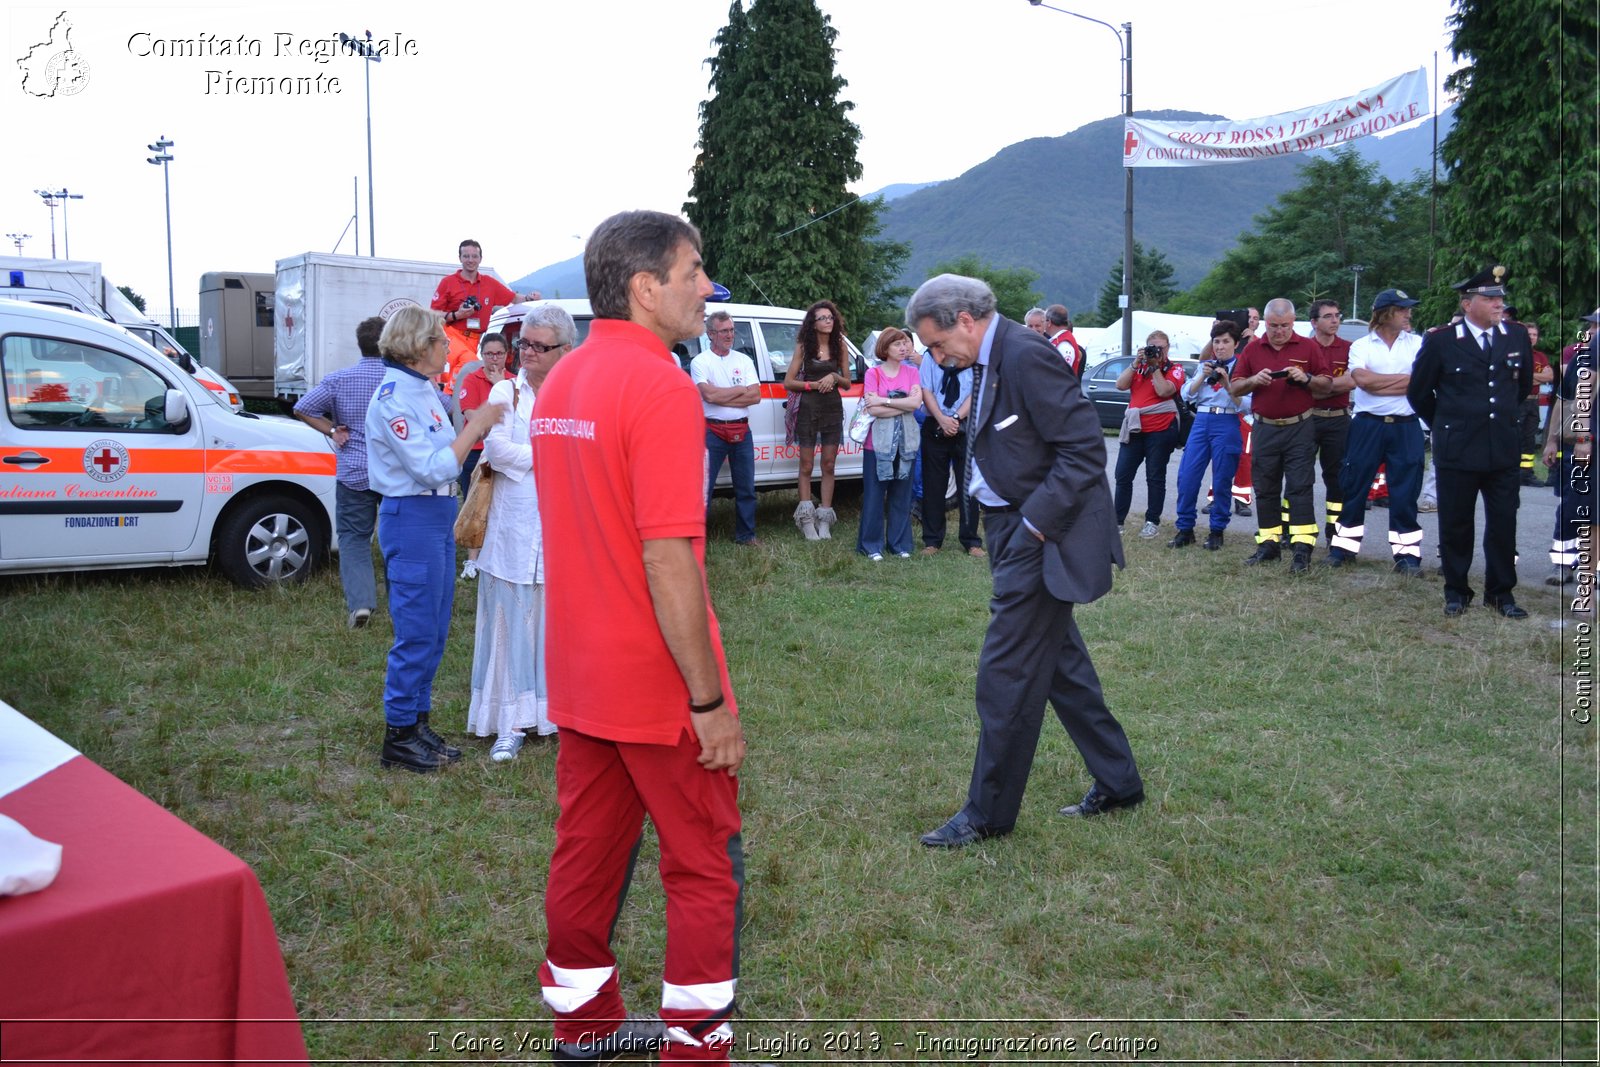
column 819, row 370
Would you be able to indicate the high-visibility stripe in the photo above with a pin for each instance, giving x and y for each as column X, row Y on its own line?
column 1268, row 533
column 1303, row 535
column 1347, row 538
column 705, row 996
column 192, row 461
column 1335, row 509
column 1406, row 544
column 1527, row 461
column 575, row 987
column 1564, row 553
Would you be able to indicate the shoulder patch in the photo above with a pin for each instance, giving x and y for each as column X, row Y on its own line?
column 398, row 426
column 386, row 390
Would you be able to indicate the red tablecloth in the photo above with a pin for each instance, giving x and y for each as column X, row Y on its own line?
column 155, row 940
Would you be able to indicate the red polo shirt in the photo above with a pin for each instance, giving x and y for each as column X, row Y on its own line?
column 1282, row 399
column 619, row 454
column 1338, row 358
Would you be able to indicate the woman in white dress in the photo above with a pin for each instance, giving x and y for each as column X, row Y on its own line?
column 508, row 688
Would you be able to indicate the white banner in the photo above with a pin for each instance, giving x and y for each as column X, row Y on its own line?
column 1385, row 107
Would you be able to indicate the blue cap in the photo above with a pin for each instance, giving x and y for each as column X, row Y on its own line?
column 1393, row 298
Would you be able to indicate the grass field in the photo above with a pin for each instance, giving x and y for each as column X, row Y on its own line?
column 1370, row 832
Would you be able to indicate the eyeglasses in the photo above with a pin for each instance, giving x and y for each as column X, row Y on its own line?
column 823, row 318
column 1330, row 315
column 722, row 330
column 523, row 345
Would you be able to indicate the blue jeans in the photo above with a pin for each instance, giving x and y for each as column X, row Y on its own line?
column 356, row 512
column 418, row 539
column 741, row 457
column 464, row 479
column 1216, row 440
column 1153, row 450
column 885, row 508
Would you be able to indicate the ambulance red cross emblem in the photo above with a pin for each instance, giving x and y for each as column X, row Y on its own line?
column 398, row 425
column 105, row 460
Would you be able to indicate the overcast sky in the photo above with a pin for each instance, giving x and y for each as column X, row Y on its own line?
column 526, row 130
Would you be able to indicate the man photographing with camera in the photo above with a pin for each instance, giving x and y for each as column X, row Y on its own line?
column 467, row 298
column 1150, row 429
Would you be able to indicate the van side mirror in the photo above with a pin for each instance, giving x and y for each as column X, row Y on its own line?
column 176, row 409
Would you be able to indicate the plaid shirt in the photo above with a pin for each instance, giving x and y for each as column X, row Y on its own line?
column 343, row 396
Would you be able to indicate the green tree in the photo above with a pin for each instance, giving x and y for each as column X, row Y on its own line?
column 133, row 298
column 1523, row 157
column 1342, row 214
column 1153, row 285
column 1013, row 288
column 777, row 152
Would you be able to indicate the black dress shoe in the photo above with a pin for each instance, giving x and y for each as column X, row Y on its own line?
column 1266, row 552
column 1181, row 539
column 403, row 746
column 450, row 752
column 1508, row 608
column 1454, row 607
column 1408, row 566
column 1095, row 802
column 1302, row 559
column 957, row 833
column 1213, row 540
column 1206, row 510
column 1242, row 510
column 1338, row 557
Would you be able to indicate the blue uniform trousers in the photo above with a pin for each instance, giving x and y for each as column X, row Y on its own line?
column 1216, row 440
column 1397, row 447
column 741, row 457
column 417, row 536
column 356, row 511
column 1575, row 483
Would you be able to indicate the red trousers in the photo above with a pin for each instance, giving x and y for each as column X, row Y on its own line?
column 605, row 789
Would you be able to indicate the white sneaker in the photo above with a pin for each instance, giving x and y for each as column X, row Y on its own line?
column 876, row 557
column 903, row 555
column 359, row 617
column 469, row 570
column 1149, row 531
column 506, row 747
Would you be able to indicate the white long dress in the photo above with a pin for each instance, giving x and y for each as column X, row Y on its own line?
column 508, row 686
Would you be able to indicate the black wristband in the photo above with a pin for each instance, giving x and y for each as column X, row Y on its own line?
column 700, row 709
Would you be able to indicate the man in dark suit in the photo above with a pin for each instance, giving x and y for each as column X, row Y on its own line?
column 1037, row 468
column 1467, row 383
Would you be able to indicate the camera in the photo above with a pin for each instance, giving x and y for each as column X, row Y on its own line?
column 470, row 304
column 1213, row 369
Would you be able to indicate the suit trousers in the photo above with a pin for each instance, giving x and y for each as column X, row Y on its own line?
column 1458, row 498
column 1282, row 471
column 1033, row 652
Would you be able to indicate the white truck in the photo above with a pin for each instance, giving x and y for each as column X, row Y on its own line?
column 322, row 298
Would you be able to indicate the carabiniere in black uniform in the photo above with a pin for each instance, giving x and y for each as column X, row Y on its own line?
column 1467, row 384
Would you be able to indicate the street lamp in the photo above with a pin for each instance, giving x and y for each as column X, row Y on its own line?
column 51, row 201
column 1355, row 288
column 1125, row 43
column 161, row 158
column 17, row 239
column 365, row 50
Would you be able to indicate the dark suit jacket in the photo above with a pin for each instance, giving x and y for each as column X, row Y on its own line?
column 1471, row 401
column 1040, row 447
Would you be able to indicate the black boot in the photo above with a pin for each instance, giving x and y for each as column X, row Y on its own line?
column 446, row 750
column 404, row 747
column 1302, row 559
column 1266, row 552
column 1213, row 540
column 1183, row 538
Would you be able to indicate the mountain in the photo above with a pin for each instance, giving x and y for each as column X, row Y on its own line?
column 1054, row 205
column 564, row 279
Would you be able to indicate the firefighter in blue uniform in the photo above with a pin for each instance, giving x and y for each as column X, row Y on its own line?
column 1468, row 385
column 413, row 459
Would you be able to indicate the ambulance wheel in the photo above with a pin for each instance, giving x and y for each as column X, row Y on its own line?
column 269, row 541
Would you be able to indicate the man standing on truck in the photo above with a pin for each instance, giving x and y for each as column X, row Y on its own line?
column 337, row 408
column 467, row 299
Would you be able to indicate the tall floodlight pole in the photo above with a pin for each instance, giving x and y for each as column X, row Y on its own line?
column 51, row 201
column 161, row 158
column 366, row 51
column 17, row 239
column 1355, row 288
column 1125, row 43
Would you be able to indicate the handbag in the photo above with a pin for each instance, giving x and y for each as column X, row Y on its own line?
column 791, row 410
column 472, row 521
column 860, row 427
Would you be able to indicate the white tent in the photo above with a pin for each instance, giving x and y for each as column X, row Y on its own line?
column 1188, row 334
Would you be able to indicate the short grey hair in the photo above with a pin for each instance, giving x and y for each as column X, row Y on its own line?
column 1034, row 311
column 943, row 297
column 716, row 317
column 555, row 319
column 1280, row 306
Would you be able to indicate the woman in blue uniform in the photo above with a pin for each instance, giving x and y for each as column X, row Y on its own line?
column 413, row 457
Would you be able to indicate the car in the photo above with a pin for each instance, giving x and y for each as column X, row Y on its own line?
column 112, row 457
column 767, row 335
column 1111, row 403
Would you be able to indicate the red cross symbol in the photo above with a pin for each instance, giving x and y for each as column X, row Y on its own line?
column 106, row 460
column 1129, row 143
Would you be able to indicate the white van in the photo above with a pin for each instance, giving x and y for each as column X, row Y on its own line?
column 767, row 335
column 112, row 457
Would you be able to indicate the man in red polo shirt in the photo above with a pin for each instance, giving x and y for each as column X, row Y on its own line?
column 1330, row 414
column 467, row 298
column 1282, row 371
column 637, row 679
